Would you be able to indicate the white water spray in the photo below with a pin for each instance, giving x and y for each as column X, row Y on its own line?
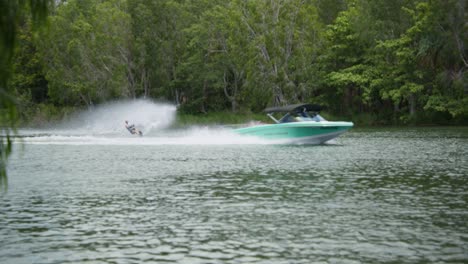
column 108, row 119
column 104, row 125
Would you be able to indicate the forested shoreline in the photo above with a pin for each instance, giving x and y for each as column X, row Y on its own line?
column 387, row 62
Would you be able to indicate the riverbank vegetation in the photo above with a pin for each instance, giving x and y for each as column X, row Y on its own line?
column 370, row 61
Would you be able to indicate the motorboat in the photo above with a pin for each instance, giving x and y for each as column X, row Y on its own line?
column 299, row 124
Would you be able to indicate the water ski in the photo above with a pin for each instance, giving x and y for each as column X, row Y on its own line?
column 135, row 131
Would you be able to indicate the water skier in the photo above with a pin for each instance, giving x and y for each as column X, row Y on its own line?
column 132, row 129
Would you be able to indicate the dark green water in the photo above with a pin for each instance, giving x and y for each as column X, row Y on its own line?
column 374, row 196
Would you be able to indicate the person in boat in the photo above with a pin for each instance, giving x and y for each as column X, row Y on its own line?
column 132, row 129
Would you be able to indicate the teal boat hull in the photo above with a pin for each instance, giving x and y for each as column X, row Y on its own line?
column 308, row 132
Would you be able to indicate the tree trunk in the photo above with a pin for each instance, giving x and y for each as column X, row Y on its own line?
column 232, row 97
column 412, row 105
column 145, row 81
column 205, row 96
column 234, row 106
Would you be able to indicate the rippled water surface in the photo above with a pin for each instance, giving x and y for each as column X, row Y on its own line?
column 372, row 196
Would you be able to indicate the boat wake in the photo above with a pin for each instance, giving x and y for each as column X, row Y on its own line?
column 211, row 137
column 104, row 125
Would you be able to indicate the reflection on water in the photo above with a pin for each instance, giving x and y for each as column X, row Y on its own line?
column 372, row 196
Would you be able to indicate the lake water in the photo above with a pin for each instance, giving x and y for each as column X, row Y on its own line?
column 201, row 196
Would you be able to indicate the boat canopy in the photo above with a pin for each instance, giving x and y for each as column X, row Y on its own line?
column 295, row 108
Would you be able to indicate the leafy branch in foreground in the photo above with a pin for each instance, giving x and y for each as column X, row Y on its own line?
column 12, row 14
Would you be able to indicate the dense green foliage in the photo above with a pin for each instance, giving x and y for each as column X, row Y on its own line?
column 394, row 61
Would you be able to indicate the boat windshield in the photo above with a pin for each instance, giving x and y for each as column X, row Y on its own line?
column 287, row 119
column 301, row 117
column 318, row 118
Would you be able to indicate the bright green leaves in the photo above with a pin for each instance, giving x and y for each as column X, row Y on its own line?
column 456, row 107
column 344, row 61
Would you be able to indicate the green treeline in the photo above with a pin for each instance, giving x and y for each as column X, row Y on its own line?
column 393, row 61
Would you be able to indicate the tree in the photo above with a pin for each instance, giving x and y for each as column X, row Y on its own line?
column 28, row 81
column 284, row 37
column 424, row 67
column 441, row 32
column 158, row 28
column 344, row 63
column 86, row 52
column 253, row 53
